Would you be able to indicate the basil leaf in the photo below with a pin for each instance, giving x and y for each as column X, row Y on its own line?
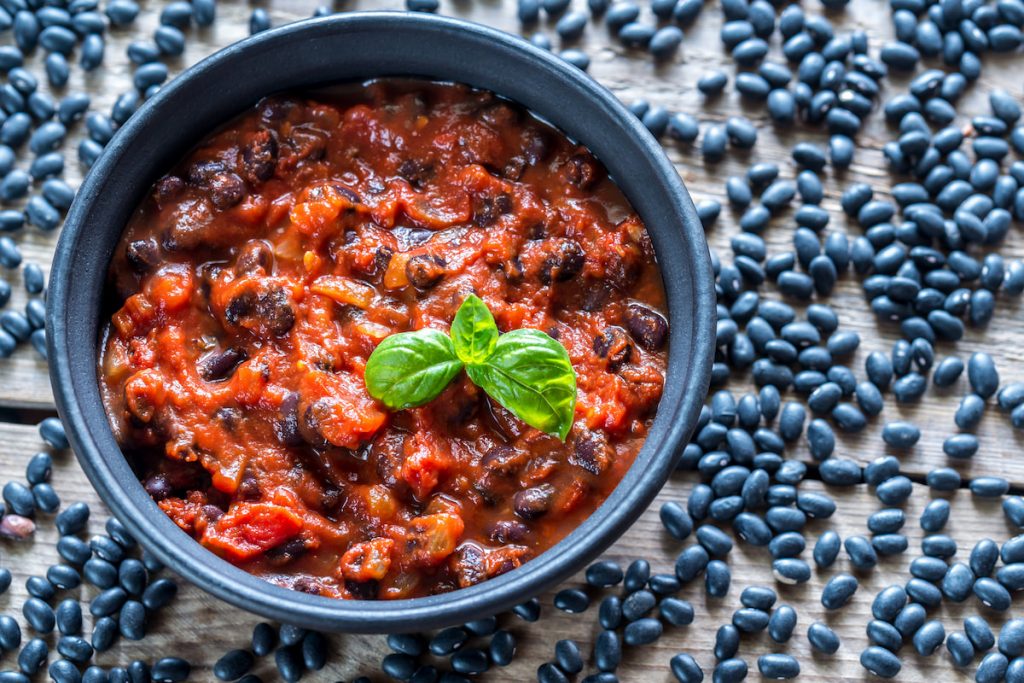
column 474, row 333
column 531, row 375
column 411, row 368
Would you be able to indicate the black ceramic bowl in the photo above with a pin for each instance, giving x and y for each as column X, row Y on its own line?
column 350, row 47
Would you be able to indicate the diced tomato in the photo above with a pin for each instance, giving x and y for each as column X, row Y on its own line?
column 251, row 529
column 369, row 560
column 432, row 538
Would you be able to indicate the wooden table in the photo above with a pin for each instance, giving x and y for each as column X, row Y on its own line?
column 201, row 628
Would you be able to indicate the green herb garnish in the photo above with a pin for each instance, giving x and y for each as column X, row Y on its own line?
column 526, row 371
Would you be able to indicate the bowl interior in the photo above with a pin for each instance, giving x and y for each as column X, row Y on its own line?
column 313, row 54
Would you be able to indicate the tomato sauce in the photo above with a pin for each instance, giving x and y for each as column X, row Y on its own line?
column 256, row 278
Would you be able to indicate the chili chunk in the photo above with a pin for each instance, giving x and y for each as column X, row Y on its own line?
column 256, row 278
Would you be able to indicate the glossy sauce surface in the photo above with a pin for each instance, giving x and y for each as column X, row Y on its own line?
column 254, row 281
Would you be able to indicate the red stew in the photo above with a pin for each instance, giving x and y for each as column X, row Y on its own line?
column 256, row 278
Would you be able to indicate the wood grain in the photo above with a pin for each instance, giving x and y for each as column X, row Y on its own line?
column 200, row 628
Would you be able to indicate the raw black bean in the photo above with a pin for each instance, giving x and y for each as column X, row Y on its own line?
column 791, row 571
column 39, row 615
column 982, row 374
column 778, row 666
column 233, row 665
column 730, row 671
column 74, row 649
column 838, row 591
column 104, row 633
column 877, row 660
column 173, row 669
column 63, row 671
column 99, row 572
column 33, row 656
column 717, row 578
column 161, row 592
column 822, row 638
column 607, row 573
column 637, row 574
column 960, row 649
column 108, row 602
column 935, row 515
column 502, row 648
column 929, row 637
column 992, row 668
column 10, row 633
column 447, row 641
column 992, row 594
column 63, row 576
column 642, row 631
column 961, row 446
column 686, row 669
column 132, row 620
column 471, row 661
column 607, row 651
column 69, row 617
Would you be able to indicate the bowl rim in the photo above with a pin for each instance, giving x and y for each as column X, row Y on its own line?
column 688, row 278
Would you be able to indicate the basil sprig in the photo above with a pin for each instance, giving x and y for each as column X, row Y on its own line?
column 526, row 371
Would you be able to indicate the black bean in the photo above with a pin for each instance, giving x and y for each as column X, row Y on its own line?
column 10, row 633
column 33, row 656
column 63, row 576
column 572, row 600
column 982, row 374
column 838, row 591
column 992, row 594
column 502, row 648
column 960, row 446
column 104, row 633
column 171, row 670
column 447, row 641
column 19, row 499
column 39, row 615
column 63, row 671
column 686, row 669
column 984, row 556
column 730, row 671
column 474, row 661
column 528, row 611
column 132, row 620
column 69, row 617
column 75, row 649
column 607, row 651
column 992, row 668
column 606, row 573
column 642, row 631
